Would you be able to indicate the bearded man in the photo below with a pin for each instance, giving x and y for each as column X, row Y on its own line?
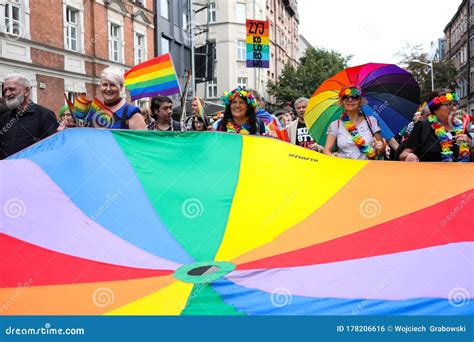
column 25, row 122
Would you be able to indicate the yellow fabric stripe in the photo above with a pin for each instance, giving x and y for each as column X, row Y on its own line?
column 278, row 188
column 169, row 301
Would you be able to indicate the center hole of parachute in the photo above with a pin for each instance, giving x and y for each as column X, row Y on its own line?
column 202, row 270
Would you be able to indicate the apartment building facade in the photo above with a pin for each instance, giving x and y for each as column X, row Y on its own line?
column 63, row 46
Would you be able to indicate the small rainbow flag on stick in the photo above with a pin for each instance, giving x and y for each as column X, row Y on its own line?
column 81, row 106
column 100, row 115
column 154, row 77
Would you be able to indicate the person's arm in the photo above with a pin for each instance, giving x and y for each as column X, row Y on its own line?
column 379, row 144
column 49, row 124
column 137, row 122
column 393, row 144
column 330, row 141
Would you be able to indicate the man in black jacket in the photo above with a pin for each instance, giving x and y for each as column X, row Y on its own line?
column 25, row 122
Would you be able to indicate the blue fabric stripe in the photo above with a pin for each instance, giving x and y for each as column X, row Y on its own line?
column 90, row 167
column 256, row 302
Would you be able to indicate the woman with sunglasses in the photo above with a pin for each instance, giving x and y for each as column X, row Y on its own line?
column 440, row 137
column 356, row 135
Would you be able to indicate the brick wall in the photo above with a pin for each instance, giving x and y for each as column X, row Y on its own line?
column 52, row 97
column 47, row 59
column 46, row 22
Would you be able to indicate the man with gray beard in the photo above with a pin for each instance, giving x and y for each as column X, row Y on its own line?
column 25, row 122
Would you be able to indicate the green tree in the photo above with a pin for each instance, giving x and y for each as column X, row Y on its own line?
column 445, row 72
column 316, row 66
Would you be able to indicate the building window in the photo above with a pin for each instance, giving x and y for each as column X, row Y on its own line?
column 241, row 50
column 13, row 19
column 114, row 42
column 241, row 13
column 185, row 21
column 212, row 88
column 165, row 45
column 139, row 48
column 211, row 15
column 242, row 82
column 72, row 29
column 165, row 9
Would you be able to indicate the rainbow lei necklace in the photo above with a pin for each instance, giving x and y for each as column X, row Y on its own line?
column 235, row 128
column 357, row 138
column 446, row 143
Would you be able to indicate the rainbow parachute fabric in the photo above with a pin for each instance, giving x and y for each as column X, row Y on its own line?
column 103, row 222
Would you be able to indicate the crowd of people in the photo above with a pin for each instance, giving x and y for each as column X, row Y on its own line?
column 436, row 133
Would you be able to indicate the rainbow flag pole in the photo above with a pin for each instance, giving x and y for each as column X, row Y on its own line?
column 156, row 76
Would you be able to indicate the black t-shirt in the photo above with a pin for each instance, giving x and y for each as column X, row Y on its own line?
column 425, row 143
column 303, row 138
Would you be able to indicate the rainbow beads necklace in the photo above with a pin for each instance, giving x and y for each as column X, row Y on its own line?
column 357, row 138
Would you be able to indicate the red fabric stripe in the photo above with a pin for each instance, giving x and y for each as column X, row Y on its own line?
column 21, row 261
column 425, row 228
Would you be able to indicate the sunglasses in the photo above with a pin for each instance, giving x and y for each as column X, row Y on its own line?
column 451, row 105
column 347, row 97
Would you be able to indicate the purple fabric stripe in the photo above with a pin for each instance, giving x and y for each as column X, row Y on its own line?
column 426, row 273
column 36, row 210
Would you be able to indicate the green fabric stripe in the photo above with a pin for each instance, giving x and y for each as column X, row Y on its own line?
column 190, row 179
column 204, row 300
column 152, row 82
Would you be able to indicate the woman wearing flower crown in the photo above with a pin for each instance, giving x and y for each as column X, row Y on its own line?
column 239, row 114
column 441, row 136
column 357, row 136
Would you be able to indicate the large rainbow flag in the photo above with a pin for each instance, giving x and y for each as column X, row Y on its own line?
column 93, row 232
column 154, row 77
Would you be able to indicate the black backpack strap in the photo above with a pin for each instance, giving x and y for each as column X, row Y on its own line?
column 123, row 120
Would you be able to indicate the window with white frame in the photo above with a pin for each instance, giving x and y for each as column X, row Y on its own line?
column 212, row 88
column 165, row 9
column 242, row 82
column 114, row 42
column 241, row 50
column 139, row 48
column 13, row 19
column 241, row 13
column 72, row 29
column 165, row 45
column 211, row 14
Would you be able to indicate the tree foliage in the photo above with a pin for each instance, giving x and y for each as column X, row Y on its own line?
column 316, row 66
column 445, row 72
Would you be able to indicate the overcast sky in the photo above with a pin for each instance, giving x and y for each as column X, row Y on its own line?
column 374, row 30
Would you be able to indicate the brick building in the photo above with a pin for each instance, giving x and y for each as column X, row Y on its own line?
column 62, row 46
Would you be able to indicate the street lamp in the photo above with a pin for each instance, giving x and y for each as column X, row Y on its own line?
column 430, row 64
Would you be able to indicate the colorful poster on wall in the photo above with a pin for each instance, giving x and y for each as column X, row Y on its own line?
column 258, row 44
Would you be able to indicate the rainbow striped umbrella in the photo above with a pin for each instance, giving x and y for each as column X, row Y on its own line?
column 392, row 92
column 166, row 223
